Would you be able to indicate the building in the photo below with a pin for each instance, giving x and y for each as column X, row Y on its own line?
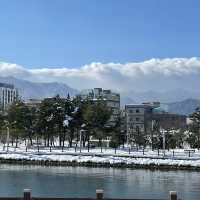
column 140, row 119
column 111, row 99
column 8, row 95
column 33, row 103
column 167, row 120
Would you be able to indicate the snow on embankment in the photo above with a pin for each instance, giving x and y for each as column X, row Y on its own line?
column 103, row 160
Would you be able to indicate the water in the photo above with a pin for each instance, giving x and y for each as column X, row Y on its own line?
column 82, row 182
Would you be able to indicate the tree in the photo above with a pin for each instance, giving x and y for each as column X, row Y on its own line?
column 59, row 113
column 31, row 122
column 16, row 120
column 70, row 110
column 96, row 116
column 176, row 138
column 46, row 122
column 2, row 126
column 2, row 118
column 117, row 138
column 195, row 127
column 140, row 138
column 76, row 114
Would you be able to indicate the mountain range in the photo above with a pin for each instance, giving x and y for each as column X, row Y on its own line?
column 175, row 95
column 37, row 90
column 177, row 101
column 185, row 107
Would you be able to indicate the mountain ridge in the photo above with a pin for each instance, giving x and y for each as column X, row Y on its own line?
column 185, row 107
column 39, row 90
column 185, row 104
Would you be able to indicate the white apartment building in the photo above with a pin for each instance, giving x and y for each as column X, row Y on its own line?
column 8, row 95
column 112, row 100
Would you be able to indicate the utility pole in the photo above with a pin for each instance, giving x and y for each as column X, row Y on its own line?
column 127, row 136
column 152, row 129
column 8, row 136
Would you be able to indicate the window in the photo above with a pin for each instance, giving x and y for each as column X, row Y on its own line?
column 137, row 128
column 137, row 119
column 137, row 111
column 130, row 111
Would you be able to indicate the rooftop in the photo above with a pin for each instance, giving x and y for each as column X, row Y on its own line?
column 6, row 85
column 144, row 105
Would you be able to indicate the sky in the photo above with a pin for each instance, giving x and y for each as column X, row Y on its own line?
column 100, row 42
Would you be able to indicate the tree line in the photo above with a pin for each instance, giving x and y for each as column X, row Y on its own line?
column 59, row 121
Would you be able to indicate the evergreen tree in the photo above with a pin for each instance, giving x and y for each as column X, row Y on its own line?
column 31, row 122
column 16, row 120
column 195, row 128
column 117, row 138
column 46, row 122
column 96, row 116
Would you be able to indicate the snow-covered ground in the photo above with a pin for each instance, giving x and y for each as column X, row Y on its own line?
column 178, row 157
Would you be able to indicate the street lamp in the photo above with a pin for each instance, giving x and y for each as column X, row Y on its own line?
column 81, row 131
column 8, row 136
column 127, row 136
column 7, row 132
column 152, row 133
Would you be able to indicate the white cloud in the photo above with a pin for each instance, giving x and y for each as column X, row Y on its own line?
column 159, row 74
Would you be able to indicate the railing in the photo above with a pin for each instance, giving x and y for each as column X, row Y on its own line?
column 99, row 196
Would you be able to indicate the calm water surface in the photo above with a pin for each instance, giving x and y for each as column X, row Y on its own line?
column 82, row 182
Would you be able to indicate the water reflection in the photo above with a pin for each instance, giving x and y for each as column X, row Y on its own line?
column 82, row 182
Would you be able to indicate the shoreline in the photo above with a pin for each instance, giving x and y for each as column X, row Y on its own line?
column 97, row 164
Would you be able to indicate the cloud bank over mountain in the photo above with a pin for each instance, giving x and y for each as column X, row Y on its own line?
column 154, row 74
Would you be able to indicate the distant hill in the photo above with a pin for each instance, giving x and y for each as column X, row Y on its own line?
column 29, row 89
column 169, row 96
column 185, row 107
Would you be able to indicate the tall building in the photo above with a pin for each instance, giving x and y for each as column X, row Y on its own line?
column 8, row 95
column 112, row 100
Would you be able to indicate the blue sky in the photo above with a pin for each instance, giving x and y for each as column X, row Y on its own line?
column 64, row 33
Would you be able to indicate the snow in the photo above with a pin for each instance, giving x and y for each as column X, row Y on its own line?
column 108, row 156
column 75, row 110
column 66, row 121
